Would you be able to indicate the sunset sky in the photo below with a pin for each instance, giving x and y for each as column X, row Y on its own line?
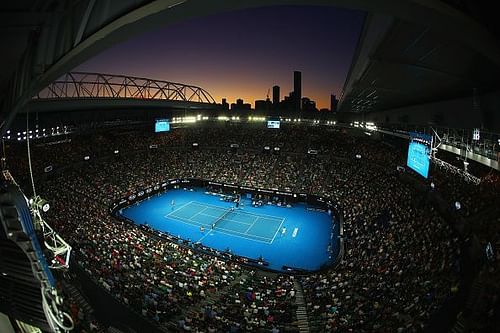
column 242, row 54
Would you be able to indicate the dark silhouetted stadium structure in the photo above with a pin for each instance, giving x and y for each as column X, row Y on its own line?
column 138, row 204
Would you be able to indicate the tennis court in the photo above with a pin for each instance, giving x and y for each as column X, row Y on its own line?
column 294, row 237
column 257, row 227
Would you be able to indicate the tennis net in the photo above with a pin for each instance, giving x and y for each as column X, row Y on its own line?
column 220, row 218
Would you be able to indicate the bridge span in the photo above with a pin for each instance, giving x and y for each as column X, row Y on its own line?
column 77, row 91
column 97, row 85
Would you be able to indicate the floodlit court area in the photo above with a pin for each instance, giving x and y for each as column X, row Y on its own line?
column 283, row 236
column 235, row 222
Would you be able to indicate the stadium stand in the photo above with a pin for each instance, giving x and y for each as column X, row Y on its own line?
column 405, row 260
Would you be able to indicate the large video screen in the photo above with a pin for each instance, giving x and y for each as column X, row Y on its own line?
column 162, row 125
column 273, row 124
column 419, row 152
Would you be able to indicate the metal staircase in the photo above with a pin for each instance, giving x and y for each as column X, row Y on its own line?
column 302, row 319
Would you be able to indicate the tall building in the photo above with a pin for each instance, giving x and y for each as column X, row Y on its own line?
column 333, row 103
column 308, row 105
column 261, row 105
column 276, row 96
column 297, row 89
column 225, row 104
column 240, row 106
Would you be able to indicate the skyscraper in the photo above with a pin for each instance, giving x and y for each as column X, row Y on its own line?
column 297, row 89
column 333, row 103
column 276, row 96
column 225, row 105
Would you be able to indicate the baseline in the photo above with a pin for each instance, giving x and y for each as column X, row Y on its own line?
column 245, row 212
column 227, row 231
column 181, row 207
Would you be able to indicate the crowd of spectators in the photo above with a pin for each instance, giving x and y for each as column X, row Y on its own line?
column 401, row 260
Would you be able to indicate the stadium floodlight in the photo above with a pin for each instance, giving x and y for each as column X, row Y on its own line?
column 38, row 203
column 476, row 134
column 187, row 120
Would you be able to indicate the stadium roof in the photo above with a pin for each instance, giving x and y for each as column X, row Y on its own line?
column 410, row 51
column 402, row 63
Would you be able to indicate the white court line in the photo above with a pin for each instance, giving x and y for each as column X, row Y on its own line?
column 234, row 231
column 198, row 213
column 229, row 232
column 197, row 223
column 251, row 225
column 225, row 219
column 186, row 221
column 175, row 210
column 245, row 212
column 204, row 205
column 237, row 213
column 283, row 220
column 203, row 237
column 262, row 215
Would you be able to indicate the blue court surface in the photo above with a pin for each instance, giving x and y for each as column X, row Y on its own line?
column 295, row 237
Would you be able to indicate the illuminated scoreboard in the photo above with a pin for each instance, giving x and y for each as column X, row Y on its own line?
column 419, row 153
column 162, row 125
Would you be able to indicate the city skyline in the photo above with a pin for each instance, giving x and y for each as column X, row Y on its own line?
column 232, row 56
